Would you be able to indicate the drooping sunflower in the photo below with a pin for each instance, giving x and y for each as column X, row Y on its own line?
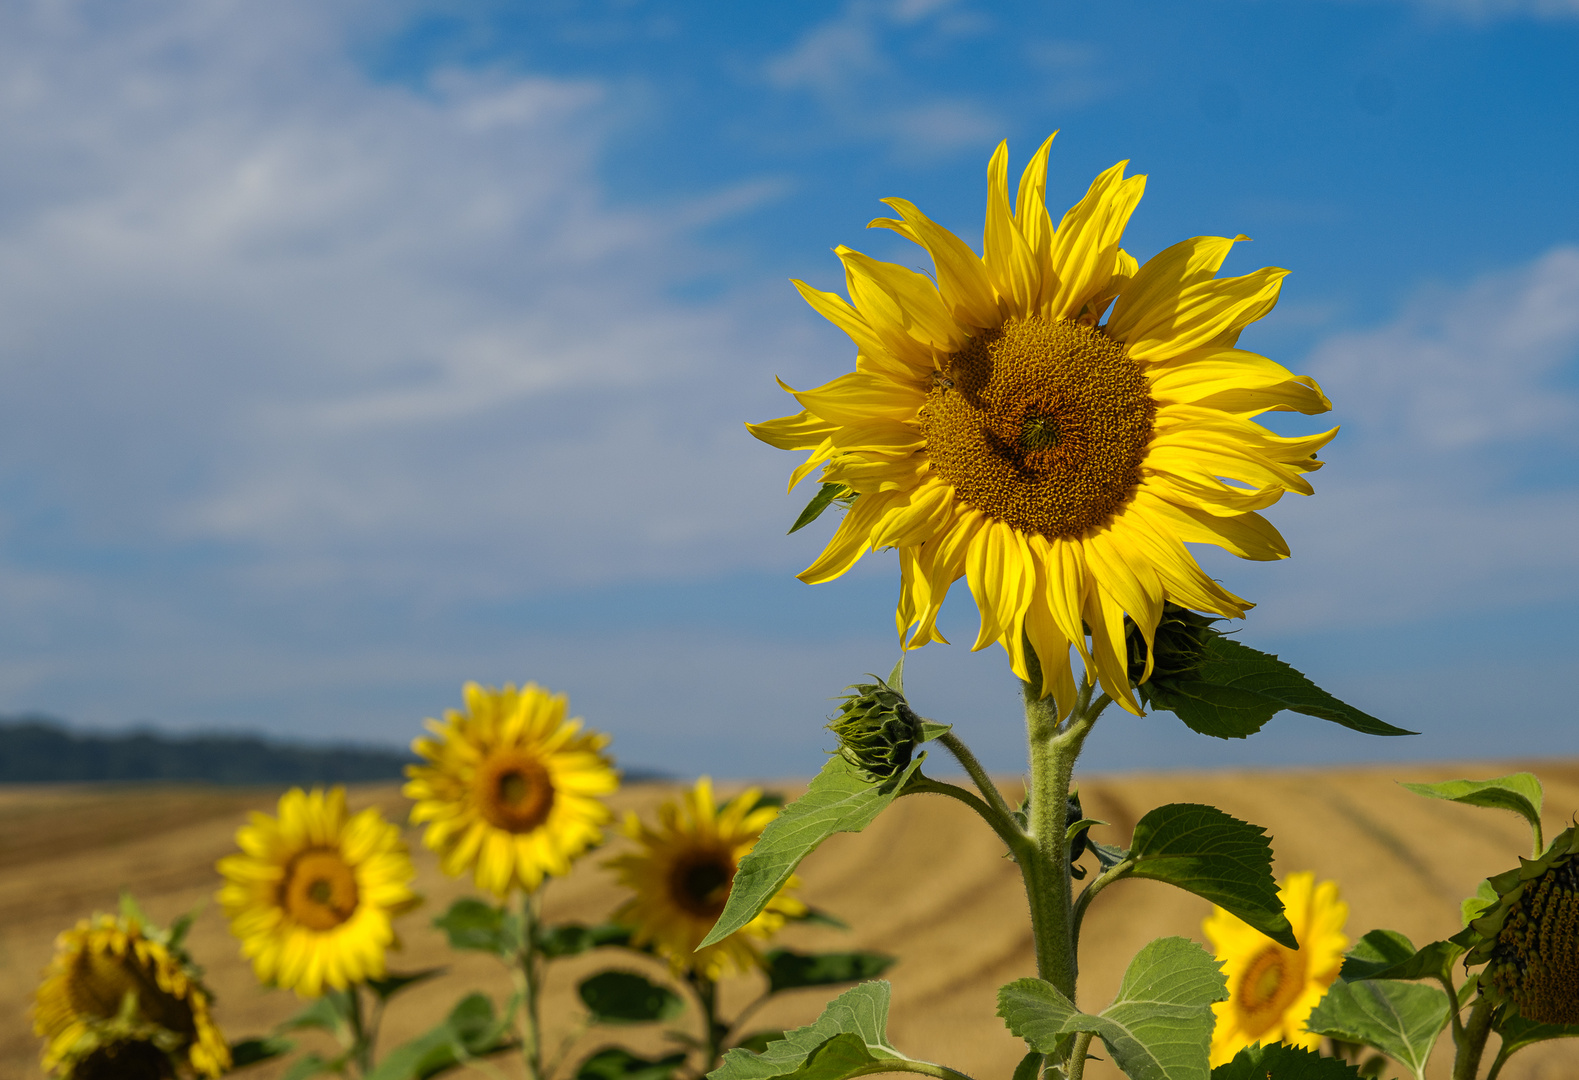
column 313, row 892
column 1272, row 988
column 513, row 790
column 120, row 993
column 996, row 428
column 681, row 874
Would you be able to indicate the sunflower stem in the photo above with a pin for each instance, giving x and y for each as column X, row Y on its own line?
column 529, row 982
column 1003, row 824
column 706, row 991
column 989, row 790
column 1053, row 750
column 1077, row 1058
column 1466, row 1063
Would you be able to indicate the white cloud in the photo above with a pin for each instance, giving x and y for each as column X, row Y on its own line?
column 1442, row 493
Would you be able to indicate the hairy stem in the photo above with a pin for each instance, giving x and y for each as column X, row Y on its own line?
column 925, row 1068
column 1497, row 1063
column 1003, row 823
column 1077, row 1059
column 1453, row 1008
column 529, row 981
column 1466, row 1063
column 706, row 991
column 989, row 790
column 1089, row 893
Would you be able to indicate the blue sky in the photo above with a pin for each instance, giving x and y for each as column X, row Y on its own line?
column 349, row 351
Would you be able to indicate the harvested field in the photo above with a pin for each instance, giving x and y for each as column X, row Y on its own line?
column 927, row 883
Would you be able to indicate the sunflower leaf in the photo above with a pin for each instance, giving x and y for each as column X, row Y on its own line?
column 624, row 997
column 1517, row 1032
column 1519, row 792
column 1401, row 1019
column 573, row 938
column 819, row 502
column 1202, row 850
column 471, row 924
column 1235, row 690
column 1158, row 1028
column 1284, row 1062
column 251, row 1051
column 790, row 970
column 470, row 1031
column 1387, row 954
column 309, row 1065
column 394, row 982
column 617, row 1063
column 328, row 1013
column 848, row 1038
column 840, row 799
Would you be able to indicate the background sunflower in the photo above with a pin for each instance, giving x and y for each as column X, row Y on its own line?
column 996, row 428
column 681, row 875
column 119, row 990
column 513, row 791
column 313, row 892
column 1272, row 988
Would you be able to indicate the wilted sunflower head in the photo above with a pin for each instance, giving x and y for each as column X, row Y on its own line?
column 1272, row 988
column 511, row 790
column 313, row 892
column 1529, row 937
column 681, row 873
column 1052, row 421
column 121, row 990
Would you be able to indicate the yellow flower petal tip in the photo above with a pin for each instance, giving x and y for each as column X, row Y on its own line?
column 1053, row 422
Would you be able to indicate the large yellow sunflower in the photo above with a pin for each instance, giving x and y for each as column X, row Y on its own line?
column 997, row 428
column 513, row 790
column 1272, row 988
column 313, row 892
column 681, row 874
column 118, row 991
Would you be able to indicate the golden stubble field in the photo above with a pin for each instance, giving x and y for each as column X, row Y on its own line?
column 927, row 883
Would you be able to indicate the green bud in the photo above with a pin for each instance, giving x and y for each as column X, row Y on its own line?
column 876, row 729
column 1530, row 936
column 1177, row 647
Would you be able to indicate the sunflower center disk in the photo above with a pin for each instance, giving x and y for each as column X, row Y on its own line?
column 1042, row 425
column 514, row 792
column 1265, row 990
column 319, row 890
column 102, row 979
column 700, row 885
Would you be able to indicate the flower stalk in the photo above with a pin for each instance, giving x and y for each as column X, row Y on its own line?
column 529, row 984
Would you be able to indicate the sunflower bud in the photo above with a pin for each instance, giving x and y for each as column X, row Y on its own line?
column 876, row 729
column 1178, row 645
column 1530, row 936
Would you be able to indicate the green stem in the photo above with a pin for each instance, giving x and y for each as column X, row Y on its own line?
column 1089, row 893
column 706, row 991
column 989, row 790
column 1077, row 1059
column 1453, row 1008
column 529, row 981
column 361, row 1046
column 1053, row 750
column 1497, row 1063
column 896, row 1065
column 1003, row 824
column 1466, row 1063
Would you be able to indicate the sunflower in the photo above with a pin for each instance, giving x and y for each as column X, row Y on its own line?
column 1272, row 988
column 313, row 892
column 513, row 789
column 681, row 876
column 996, row 428
column 120, row 994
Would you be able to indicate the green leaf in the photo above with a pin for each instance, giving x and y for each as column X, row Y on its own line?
column 1285, row 1063
column 849, row 1036
column 789, row 970
column 1078, row 827
column 1204, row 851
column 1401, row 1019
column 573, row 938
column 757, row 1041
column 1387, row 954
column 394, row 982
column 1237, row 689
column 178, row 930
column 470, row 1031
column 251, row 1051
column 309, row 1065
column 1519, row 792
column 624, row 997
column 1158, row 1028
column 818, row 917
column 328, row 1013
column 1030, row 1066
column 1517, row 1032
column 1475, row 906
column 840, row 799
column 616, row 1063
column 819, row 502
column 471, row 924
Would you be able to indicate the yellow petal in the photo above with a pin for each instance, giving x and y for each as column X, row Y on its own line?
column 857, row 397
column 851, row 540
column 1200, row 313
column 962, row 279
column 799, row 432
column 927, row 318
column 1085, row 247
column 1030, row 210
column 1149, row 298
column 999, row 572
column 1010, row 266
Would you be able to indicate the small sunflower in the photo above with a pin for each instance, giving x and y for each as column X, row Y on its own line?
column 682, row 874
column 1272, row 988
column 313, row 892
column 513, row 790
column 996, row 428
column 120, row 995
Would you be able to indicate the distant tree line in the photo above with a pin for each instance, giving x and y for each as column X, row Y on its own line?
column 42, row 750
